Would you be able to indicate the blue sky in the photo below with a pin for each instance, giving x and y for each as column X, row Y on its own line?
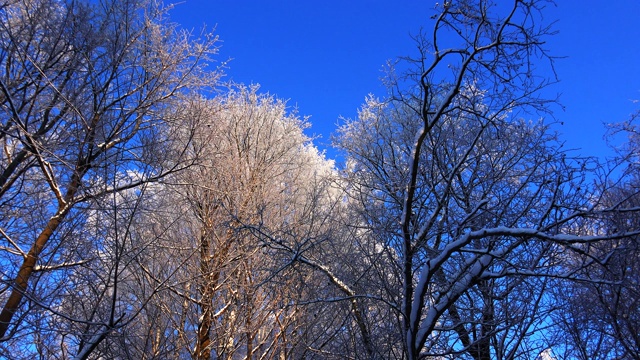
column 326, row 56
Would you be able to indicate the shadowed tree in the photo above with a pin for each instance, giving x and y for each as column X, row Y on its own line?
column 599, row 319
column 474, row 207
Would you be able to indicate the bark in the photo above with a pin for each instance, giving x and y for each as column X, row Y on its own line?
column 21, row 281
column 65, row 203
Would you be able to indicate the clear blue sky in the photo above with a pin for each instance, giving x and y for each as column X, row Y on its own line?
column 326, row 56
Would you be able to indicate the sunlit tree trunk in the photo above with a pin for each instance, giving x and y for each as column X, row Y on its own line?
column 85, row 89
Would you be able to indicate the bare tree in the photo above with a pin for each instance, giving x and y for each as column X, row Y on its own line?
column 256, row 171
column 83, row 97
column 139, row 219
column 599, row 319
column 475, row 207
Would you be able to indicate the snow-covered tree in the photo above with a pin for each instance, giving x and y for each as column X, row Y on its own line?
column 599, row 317
column 474, row 208
column 83, row 97
column 257, row 173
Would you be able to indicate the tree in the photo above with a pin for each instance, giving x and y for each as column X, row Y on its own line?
column 600, row 319
column 262, row 168
column 84, row 97
column 257, row 170
column 141, row 219
column 474, row 207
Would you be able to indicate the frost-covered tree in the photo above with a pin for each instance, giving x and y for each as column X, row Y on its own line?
column 84, row 94
column 599, row 318
column 257, row 173
column 474, row 208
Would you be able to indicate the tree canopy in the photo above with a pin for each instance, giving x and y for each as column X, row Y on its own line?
column 151, row 210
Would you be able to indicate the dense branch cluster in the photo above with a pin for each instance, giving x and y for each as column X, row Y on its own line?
column 150, row 211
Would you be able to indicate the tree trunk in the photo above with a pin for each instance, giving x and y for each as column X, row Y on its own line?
column 26, row 269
